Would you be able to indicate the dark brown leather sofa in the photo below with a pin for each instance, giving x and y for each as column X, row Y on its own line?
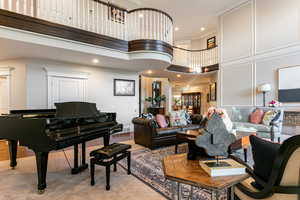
column 147, row 134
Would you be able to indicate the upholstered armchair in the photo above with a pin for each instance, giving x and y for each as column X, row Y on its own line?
column 284, row 182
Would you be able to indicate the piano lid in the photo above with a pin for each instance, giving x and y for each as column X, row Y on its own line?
column 76, row 110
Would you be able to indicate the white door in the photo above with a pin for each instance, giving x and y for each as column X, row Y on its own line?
column 4, row 95
column 65, row 89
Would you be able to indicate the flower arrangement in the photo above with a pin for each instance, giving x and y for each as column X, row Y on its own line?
column 274, row 103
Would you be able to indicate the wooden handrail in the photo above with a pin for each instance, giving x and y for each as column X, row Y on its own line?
column 152, row 9
column 189, row 50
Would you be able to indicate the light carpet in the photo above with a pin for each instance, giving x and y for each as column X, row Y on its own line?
column 20, row 184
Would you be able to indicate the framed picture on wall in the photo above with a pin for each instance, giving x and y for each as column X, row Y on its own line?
column 211, row 42
column 213, row 92
column 124, row 87
column 116, row 15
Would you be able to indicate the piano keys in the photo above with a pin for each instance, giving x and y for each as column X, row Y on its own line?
column 70, row 124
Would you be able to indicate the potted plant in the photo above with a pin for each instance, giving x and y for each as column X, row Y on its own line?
column 156, row 102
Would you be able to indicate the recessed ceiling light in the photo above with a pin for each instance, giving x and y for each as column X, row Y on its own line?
column 202, row 29
column 95, row 61
column 149, row 72
column 178, row 75
column 141, row 15
column 176, row 29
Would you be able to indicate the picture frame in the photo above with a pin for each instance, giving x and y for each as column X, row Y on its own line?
column 211, row 42
column 124, row 87
column 213, row 92
column 116, row 15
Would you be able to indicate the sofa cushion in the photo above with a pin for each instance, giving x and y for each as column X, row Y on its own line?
column 257, row 116
column 177, row 118
column 258, row 127
column 269, row 116
column 264, row 154
column 168, row 130
column 191, row 127
column 161, row 121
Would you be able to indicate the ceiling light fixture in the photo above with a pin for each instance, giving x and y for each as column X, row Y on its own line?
column 95, row 61
column 176, row 29
column 149, row 72
column 202, row 29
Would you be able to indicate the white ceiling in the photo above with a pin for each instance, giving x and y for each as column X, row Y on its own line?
column 188, row 15
column 11, row 49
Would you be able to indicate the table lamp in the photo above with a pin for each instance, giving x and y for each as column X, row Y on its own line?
column 264, row 88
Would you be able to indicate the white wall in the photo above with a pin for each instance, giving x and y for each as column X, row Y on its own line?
column 17, row 82
column 99, row 88
column 257, row 38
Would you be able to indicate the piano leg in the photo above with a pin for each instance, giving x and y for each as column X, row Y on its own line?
column 41, row 163
column 77, row 169
column 13, row 148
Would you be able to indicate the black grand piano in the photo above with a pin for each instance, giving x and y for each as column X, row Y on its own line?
column 70, row 124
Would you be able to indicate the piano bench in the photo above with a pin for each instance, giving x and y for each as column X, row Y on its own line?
column 107, row 156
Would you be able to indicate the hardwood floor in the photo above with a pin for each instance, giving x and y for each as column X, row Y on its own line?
column 25, row 152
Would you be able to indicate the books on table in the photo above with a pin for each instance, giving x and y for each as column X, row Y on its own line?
column 226, row 167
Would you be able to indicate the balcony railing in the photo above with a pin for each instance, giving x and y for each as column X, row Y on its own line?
column 195, row 59
column 98, row 17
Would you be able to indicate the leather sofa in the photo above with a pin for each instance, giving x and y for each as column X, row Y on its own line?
column 146, row 132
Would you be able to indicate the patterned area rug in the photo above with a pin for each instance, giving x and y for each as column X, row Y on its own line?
column 146, row 165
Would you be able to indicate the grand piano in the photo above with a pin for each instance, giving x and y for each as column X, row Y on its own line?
column 70, row 124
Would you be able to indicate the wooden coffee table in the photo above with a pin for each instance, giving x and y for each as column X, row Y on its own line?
column 182, row 171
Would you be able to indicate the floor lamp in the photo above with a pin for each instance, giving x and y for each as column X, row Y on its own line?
column 264, row 88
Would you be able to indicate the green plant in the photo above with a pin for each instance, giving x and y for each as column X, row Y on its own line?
column 157, row 100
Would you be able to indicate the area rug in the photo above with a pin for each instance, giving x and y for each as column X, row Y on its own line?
column 146, row 165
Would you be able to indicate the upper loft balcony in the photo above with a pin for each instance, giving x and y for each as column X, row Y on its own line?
column 195, row 61
column 143, row 34
column 140, row 33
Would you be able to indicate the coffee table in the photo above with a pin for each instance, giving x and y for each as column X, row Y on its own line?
column 180, row 170
column 189, row 136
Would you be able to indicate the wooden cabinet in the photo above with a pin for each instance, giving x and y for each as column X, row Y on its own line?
column 191, row 102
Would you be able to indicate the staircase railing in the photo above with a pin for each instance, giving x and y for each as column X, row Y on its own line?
column 195, row 59
column 99, row 17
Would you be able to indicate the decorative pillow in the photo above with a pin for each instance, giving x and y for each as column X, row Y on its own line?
column 264, row 154
column 187, row 117
column 177, row 118
column 161, row 120
column 257, row 116
column 147, row 116
column 269, row 116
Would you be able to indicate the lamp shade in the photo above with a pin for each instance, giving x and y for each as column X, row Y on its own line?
column 265, row 87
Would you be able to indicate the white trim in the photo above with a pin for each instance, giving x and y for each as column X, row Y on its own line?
column 67, row 74
column 6, row 71
column 232, row 7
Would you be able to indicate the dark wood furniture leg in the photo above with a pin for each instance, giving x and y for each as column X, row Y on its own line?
column 107, row 177
column 176, row 148
column 42, row 164
column 128, row 162
column 106, row 139
column 245, row 154
column 13, row 148
column 92, row 165
column 115, row 164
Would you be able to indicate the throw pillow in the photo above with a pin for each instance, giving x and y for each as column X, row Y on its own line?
column 257, row 116
column 269, row 116
column 177, row 118
column 187, row 117
column 161, row 120
column 264, row 154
